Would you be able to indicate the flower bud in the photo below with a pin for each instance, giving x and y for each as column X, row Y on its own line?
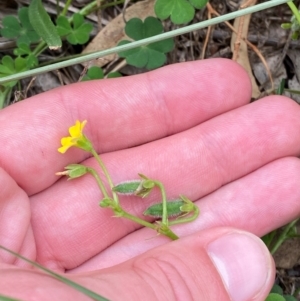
column 73, row 171
column 127, row 188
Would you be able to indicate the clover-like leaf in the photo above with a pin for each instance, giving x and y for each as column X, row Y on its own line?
column 20, row 29
column 274, row 297
column 180, row 11
column 25, row 51
column 93, row 73
column 97, row 73
column 152, row 55
column 79, row 33
column 10, row 66
column 276, row 289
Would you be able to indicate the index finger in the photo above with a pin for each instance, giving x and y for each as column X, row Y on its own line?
column 121, row 113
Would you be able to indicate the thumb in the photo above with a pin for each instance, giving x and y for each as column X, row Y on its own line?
column 215, row 264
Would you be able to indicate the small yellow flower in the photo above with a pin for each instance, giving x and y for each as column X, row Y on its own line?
column 76, row 138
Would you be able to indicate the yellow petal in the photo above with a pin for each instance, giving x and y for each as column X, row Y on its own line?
column 75, row 135
column 66, row 143
column 63, row 149
column 83, row 123
column 75, row 130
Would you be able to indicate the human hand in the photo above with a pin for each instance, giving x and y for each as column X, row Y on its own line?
column 193, row 131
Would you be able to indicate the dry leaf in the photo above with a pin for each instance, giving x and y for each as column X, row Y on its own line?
column 242, row 51
column 113, row 32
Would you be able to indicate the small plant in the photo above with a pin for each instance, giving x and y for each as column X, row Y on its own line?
column 167, row 213
column 19, row 28
column 151, row 56
column 294, row 25
column 78, row 32
column 273, row 241
column 34, row 25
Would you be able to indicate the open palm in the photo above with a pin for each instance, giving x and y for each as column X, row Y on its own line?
column 188, row 125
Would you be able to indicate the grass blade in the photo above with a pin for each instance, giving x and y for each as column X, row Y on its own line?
column 67, row 281
column 165, row 35
column 6, row 298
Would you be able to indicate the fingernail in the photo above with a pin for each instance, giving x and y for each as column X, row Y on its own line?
column 243, row 263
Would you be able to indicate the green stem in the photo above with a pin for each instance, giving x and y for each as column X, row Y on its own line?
column 294, row 9
column 89, row 8
column 112, row 4
column 93, row 172
column 60, row 59
column 65, row 10
column 186, row 219
column 168, row 232
column 120, row 212
column 164, row 218
column 137, row 219
column 292, row 91
column 39, row 48
column 283, row 236
column 107, row 175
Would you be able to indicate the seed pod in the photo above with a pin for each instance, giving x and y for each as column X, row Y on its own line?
column 128, row 187
column 174, row 208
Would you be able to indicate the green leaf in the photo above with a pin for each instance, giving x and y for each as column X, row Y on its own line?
column 42, row 24
column 63, row 26
column 199, row 3
column 24, row 50
column 11, row 27
column 20, row 29
column 114, row 74
column 292, row 232
column 180, row 11
column 97, row 73
column 93, row 73
column 150, row 56
column 79, row 33
column 275, row 297
column 9, row 66
column 137, row 29
column 277, row 289
column 280, row 89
